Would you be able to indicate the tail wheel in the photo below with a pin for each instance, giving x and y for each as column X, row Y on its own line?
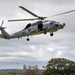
column 28, row 39
column 51, row 34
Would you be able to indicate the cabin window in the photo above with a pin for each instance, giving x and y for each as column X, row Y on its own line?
column 27, row 26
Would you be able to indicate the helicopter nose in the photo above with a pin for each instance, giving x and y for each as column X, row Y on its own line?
column 62, row 26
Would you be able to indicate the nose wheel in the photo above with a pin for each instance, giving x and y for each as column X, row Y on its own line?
column 51, row 34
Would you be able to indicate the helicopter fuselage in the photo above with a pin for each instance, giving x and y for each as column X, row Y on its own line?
column 38, row 27
column 42, row 26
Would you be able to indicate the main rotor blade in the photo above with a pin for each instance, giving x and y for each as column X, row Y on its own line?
column 22, row 20
column 28, row 11
column 64, row 13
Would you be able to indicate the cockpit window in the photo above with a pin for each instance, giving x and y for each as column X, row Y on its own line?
column 27, row 26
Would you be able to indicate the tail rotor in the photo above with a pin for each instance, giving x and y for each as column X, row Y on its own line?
column 2, row 25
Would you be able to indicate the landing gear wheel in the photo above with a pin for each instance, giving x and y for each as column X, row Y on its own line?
column 28, row 39
column 51, row 34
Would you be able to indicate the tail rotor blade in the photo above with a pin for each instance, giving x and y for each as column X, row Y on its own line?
column 2, row 23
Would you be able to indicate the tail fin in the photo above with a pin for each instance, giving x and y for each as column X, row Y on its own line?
column 4, row 33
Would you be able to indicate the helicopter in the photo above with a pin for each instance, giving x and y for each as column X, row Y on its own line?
column 41, row 26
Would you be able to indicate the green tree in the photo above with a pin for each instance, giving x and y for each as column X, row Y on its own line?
column 60, row 66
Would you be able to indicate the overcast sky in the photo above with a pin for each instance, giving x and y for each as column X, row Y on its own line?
column 41, row 48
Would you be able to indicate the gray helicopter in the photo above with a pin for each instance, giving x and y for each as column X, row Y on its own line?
column 41, row 26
